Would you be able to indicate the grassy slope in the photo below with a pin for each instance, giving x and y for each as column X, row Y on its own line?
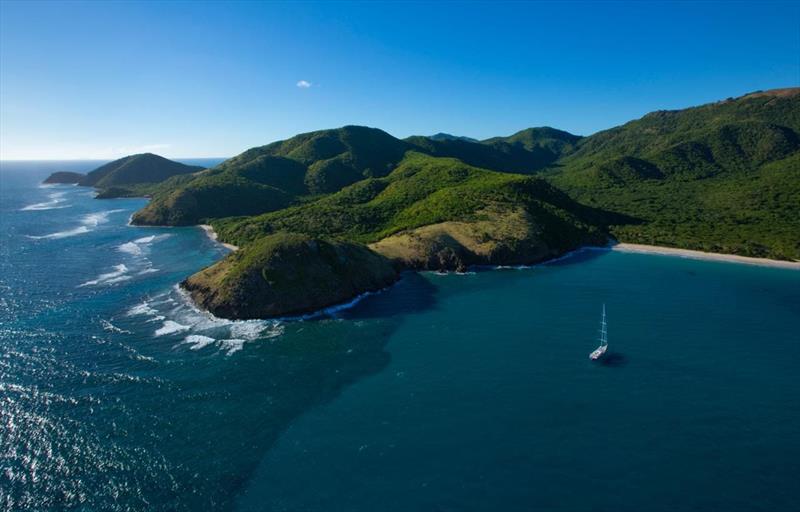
column 309, row 165
column 722, row 177
column 272, row 177
column 312, row 255
column 422, row 190
column 288, row 273
column 524, row 152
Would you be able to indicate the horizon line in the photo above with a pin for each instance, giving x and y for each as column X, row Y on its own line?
column 479, row 140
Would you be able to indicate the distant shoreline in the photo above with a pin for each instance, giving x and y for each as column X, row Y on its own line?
column 213, row 236
column 700, row 255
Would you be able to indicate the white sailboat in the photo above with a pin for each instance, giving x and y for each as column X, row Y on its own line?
column 599, row 351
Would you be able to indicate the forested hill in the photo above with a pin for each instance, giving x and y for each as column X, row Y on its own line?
column 135, row 170
column 338, row 209
column 722, row 177
column 274, row 176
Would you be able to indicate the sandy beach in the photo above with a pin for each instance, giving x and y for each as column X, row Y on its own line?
column 213, row 236
column 700, row 255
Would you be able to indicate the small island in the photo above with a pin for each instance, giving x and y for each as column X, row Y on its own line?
column 64, row 178
column 130, row 176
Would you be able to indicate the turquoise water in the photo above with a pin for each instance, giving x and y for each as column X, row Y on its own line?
column 446, row 392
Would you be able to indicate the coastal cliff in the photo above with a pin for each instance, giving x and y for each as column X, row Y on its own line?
column 130, row 176
column 288, row 274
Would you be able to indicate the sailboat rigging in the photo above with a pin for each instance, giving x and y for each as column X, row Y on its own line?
column 601, row 350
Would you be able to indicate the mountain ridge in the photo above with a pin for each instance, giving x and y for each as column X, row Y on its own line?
column 135, row 169
column 342, row 204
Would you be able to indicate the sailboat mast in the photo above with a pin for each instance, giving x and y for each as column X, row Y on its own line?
column 603, row 328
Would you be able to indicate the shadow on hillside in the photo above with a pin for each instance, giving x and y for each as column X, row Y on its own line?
column 612, row 218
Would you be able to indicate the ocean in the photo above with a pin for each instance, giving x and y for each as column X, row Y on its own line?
column 442, row 393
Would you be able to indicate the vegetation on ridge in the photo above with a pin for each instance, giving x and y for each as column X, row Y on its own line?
column 344, row 206
column 422, row 190
column 145, row 168
column 288, row 274
column 309, row 165
column 64, row 177
column 723, row 177
column 473, row 216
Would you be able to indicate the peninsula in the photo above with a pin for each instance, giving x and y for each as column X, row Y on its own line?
column 131, row 176
column 327, row 215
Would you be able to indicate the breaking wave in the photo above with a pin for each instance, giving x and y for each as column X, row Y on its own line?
column 88, row 222
column 171, row 326
column 140, row 246
column 108, row 326
column 118, row 275
column 56, row 198
column 199, row 329
column 97, row 218
column 62, row 234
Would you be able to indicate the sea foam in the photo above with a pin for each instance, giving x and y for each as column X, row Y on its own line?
column 97, row 218
column 62, row 234
column 88, row 221
column 56, row 198
column 198, row 341
column 118, row 275
column 170, row 327
column 139, row 246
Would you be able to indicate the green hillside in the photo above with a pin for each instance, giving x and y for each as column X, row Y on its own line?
column 133, row 170
column 348, row 208
column 722, row 177
column 64, row 177
column 557, row 142
column 448, row 136
column 422, row 190
column 428, row 213
column 288, row 274
column 524, row 152
column 270, row 177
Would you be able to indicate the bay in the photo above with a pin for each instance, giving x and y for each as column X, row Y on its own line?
column 444, row 392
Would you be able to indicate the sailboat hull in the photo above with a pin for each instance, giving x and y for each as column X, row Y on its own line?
column 598, row 353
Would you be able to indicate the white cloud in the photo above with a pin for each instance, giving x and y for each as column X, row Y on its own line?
column 303, row 84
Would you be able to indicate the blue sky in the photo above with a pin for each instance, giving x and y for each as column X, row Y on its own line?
column 101, row 80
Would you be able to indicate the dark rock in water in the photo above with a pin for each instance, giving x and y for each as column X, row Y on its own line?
column 288, row 274
column 64, row 177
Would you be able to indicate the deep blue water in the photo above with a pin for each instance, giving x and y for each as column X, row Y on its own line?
column 446, row 392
